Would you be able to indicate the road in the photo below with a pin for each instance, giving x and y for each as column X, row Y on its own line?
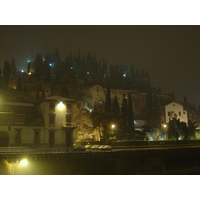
column 17, row 150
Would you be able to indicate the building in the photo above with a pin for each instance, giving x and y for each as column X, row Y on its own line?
column 174, row 110
column 95, row 98
column 48, row 123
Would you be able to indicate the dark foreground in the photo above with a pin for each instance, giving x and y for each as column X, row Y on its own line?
column 182, row 161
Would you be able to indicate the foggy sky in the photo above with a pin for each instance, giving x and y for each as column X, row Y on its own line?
column 170, row 54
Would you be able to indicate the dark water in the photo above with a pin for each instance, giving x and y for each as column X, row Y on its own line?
column 132, row 165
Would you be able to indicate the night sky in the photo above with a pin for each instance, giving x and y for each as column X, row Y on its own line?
column 170, row 54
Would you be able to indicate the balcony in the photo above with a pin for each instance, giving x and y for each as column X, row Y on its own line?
column 69, row 125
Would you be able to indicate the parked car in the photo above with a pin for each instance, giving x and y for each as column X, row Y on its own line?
column 95, row 147
column 88, row 146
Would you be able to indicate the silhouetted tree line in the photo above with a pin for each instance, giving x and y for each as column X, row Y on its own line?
column 90, row 70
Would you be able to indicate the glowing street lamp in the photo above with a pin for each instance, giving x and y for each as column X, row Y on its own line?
column 23, row 162
column 61, row 105
column 113, row 126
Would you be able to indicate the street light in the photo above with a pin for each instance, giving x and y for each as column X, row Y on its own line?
column 21, row 163
column 112, row 126
column 24, row 162
column 165, row 131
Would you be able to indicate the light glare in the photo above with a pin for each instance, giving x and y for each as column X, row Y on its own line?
column 24, row 162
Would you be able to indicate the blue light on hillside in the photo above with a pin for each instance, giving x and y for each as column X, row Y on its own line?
column 124, row 75
column 87, row 72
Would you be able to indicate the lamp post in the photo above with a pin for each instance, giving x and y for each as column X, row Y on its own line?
column 165, row 131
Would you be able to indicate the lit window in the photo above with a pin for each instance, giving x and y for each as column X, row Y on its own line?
column 87, row 72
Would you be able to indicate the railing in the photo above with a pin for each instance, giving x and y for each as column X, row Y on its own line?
column 69, row 124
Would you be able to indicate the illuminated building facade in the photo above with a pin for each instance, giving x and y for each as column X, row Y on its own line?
column 25, row 123
column 95, row 98
column 175, row 110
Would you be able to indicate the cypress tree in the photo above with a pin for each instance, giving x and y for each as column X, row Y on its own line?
column 6, row 73
column 13, row 68
column 115, row 108
column 124, row 112
column 108, row 101
column 39, row 72
column 131, row 126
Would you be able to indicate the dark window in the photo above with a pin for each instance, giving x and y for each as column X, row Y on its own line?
column 68, row 120
column 52, row 107
column 51, row 119
column 17, row 137
column 37, row 138
column 69, row 107
column 51, row 138
column 179, row 113
column 169, row 114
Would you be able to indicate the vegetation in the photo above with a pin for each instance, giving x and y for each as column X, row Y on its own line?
column 177, row 129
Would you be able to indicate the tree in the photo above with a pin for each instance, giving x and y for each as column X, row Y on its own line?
column 131, row 126
column 124, row 117
column 6, row 72
column 29, row 67
column 13, row 69
column 157, row 111
column 47, row 70
column 191, row 130
column 115, row 108
column 102, row 119
column 173, row 129
column 178, row 129
column 108, row 101
column 39, row 68
column 58, row 66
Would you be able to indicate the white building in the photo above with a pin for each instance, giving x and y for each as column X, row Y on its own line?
column 25, row 123
column 175, row 110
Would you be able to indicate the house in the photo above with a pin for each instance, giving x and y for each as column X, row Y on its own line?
column 48, row 123
column 174, row 110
